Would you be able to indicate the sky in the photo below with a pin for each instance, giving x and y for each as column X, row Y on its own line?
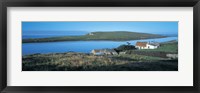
column 144, row 27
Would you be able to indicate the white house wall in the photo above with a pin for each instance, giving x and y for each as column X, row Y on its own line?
column 151, row 47
column 147, row 47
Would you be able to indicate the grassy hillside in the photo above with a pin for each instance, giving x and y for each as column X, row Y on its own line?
column 162, row 51
column 112, row 36
column 88, row 62
column 165, row 47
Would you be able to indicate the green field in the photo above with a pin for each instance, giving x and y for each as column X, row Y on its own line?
column 112, row 36
column 165, row 47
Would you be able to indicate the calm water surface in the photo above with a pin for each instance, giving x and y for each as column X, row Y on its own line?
column 78, row 46
column 46, row 34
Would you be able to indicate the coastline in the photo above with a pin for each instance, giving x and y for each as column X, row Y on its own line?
column 98, row 36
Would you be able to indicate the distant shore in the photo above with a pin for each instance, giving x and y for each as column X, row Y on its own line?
column 98, row 36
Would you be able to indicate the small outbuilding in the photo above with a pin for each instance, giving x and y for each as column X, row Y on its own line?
column 104, row 52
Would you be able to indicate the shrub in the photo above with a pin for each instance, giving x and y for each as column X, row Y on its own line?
column 125, row 47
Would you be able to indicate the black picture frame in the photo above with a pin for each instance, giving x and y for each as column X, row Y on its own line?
column 98, row 3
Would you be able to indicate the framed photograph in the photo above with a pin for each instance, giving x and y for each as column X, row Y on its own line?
column 99, row 46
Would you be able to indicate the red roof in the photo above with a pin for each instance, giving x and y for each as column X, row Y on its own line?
column 141, row 44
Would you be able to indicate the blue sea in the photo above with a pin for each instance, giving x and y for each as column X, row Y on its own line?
column 46, row 34
column 76, row 46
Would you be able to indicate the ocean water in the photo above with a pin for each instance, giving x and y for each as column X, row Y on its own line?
column 46, row 34
column 79, row 46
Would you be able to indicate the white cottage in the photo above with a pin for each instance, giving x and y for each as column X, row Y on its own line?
column 147, row 45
